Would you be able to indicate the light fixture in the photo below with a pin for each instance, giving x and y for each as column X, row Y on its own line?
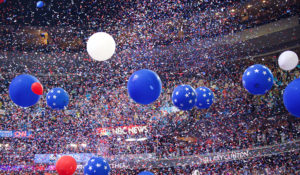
column 249, row 6
column 135, row 140
column 142, row 139
column 130, row 140
column 83, row 145
column 73, row 145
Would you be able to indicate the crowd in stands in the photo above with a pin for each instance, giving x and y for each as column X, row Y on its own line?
column 99, row 99
column 143, row 24
column 98, row 94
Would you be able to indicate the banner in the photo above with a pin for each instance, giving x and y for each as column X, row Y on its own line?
column 32, row 168
column 52, row 158
column 26, row 167
column 144, row 161
column 6, row 134
column 196, row 160
column 16, row 134
column 85, row 157
column 123, row 130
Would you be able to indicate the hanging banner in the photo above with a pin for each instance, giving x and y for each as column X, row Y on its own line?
column 52, row 158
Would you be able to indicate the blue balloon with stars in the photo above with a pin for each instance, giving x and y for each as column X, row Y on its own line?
column 97, row 166
column 21, row 90
column 144, row 86
column 184, row 97
column 291, row 97
column 258, row 79
column 146, row 173
column 205, row 97
column 57, row 98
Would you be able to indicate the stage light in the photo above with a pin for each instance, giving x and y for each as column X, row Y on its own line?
column 142, row 139
column 73, row 145
column 135, row 140
column 130, row 140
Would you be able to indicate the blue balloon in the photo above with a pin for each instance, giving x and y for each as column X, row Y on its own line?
column 144, row 86
column 20, row 90
column 40, row 4
column 258, row 79
column 97, row 166
column 291, row 97
column 87, row 171
column 57, row 98
column 146, row 173
column 184, row 97
column 205, row 97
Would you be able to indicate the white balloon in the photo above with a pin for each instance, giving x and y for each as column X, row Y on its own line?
column 288, row 60
column 101, row 46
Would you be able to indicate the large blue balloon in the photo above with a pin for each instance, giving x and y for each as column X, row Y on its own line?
column 20, row 90
column 146, row 173
column 97, row 166
column 40, row 4
column 144, row 86
column 184, row 97
column 205, row 97
column 57, row 98
column 258, row 79
column 291, row 97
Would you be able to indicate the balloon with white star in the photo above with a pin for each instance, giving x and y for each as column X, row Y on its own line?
column 97, row 166
column 144, row 86
column 258, row 79
column 57, row 98
column 184, row 97
column 291, row 97
column 288, row 60
column 205, row 97
column 146, row 173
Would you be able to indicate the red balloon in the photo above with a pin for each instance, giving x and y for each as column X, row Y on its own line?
column 66, row 165
column 37, row 88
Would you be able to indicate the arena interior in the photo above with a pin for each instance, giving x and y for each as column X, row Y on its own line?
column 201, row 43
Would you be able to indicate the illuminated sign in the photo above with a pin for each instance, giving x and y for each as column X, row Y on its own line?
column 123, row 130
column 16, row 134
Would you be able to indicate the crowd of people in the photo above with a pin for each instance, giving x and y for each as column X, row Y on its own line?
column 139, row 24
column 165, row 44
column 98, row 99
